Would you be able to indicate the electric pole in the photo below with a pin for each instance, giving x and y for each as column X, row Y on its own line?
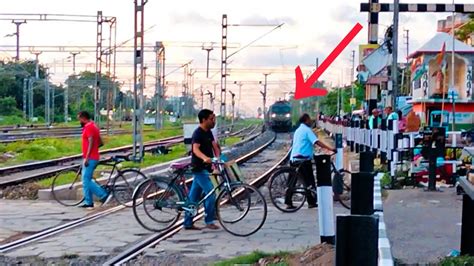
column 407, row 42
column 18, row 23
column 233, row 108
column 394, row 77
column 159, row 83
column 37, row 63
column 240, row 84
column 66, row 90
column 352, row 81
column 264, row 95
column 208, row 49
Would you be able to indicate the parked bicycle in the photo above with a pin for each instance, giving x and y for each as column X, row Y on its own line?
column 120, row 183
column 286, row 185
column 159, row 202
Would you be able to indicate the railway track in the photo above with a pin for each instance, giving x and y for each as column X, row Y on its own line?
column 79, row 222
column 13, row 175
column 155, row 239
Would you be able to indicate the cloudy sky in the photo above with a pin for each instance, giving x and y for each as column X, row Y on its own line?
column 311, row 30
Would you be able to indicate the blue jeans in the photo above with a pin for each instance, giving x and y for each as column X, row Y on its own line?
column 201, row 183
column 89, row 186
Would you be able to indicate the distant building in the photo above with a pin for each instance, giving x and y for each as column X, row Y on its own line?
column 445, row 25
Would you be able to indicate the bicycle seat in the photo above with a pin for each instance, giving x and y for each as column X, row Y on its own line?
column 120, row 158
column 179, row 166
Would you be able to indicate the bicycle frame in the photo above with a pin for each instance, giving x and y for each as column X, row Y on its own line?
column 79, row 171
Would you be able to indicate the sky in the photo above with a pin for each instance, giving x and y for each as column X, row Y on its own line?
column 311, row 30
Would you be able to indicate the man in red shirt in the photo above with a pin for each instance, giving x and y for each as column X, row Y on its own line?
column 90, row 153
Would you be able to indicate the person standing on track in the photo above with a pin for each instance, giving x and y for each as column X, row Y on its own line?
column 301, row 153
column 91, row 141
column 204, row 147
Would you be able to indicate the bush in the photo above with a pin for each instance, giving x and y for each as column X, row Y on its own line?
column 8, row 106
column 455, row 261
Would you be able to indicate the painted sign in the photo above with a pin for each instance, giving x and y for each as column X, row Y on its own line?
column 365, row 50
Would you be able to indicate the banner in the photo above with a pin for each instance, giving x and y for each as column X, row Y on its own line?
column 365, row 50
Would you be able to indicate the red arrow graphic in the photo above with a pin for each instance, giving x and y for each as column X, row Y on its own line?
column 303, row 89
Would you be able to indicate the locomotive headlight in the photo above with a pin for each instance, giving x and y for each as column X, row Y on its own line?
column 274, row 115
column 287, row 115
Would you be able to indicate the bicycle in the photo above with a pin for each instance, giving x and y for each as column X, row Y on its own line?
column 120, row 183
column 159, row 202
column 283, row 178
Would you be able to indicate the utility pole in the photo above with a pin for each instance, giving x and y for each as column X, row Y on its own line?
column 30, row 99
column 98, row 68
column 74, row 54
column 394, row 77
column 208, row 49
column 215, row 94
column 18, row 23
column 240, row 84
column 264, row 94
column 223, row 74
column 407, row 42
column 138, row 79
column 352, row 81
column 37, row 63
column 159, row 83
column 47, row 95
column 233, row 108
column 25, row 92
column 211, row 99
column 66, row 90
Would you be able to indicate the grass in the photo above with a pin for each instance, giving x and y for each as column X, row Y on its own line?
column 149, row 159
column 51, row 148
column 455, row 261
column 252, row 258
column 232, row 140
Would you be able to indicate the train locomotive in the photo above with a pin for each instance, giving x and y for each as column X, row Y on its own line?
column 279, row 116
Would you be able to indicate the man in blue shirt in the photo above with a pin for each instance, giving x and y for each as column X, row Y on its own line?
column 301, row 154
column 391, row 115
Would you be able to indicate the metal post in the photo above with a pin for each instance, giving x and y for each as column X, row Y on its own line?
column 37, row 63
column 52, row 103
column 233, row 108
column 223, row 75
column 30, row 99
column 207, row 62
column 395, row 55
column 159, row 83
column 18, row 23
column 47, row 102
column 25, row 92
column 138, row 78
column 352, row 79
column 98, row 68
column 373, row 24
column 452, row 70
column 264, row 94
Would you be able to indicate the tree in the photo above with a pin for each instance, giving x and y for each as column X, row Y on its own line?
column 464, row 32
column 8, row 106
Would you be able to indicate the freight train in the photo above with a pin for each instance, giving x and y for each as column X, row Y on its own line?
column 279, row 116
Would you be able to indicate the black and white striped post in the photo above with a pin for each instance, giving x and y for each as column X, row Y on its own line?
column 325, row 200
column 392, row 149
column 340, row 152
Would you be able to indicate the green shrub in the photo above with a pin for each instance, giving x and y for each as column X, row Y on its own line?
column 455, row 261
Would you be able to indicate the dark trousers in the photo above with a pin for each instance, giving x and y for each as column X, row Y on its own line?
column 307, row 176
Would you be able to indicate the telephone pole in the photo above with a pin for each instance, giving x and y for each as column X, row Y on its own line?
column 240, row 84
column 233, row 108
column 66, row 90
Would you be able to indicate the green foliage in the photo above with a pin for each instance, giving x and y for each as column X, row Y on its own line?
column 386, row 180
column 251, row 258
column 8, row 106
column 50, row 148
column 457, row 261
column 464, row 32
column 329, row 102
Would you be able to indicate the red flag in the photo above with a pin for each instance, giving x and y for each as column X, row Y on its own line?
column 440, row 56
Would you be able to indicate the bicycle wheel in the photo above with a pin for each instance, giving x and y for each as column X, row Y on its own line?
column 124, row 183
column 241, row 210
column 65, row 185
column 155, row 204
column 280, row 192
